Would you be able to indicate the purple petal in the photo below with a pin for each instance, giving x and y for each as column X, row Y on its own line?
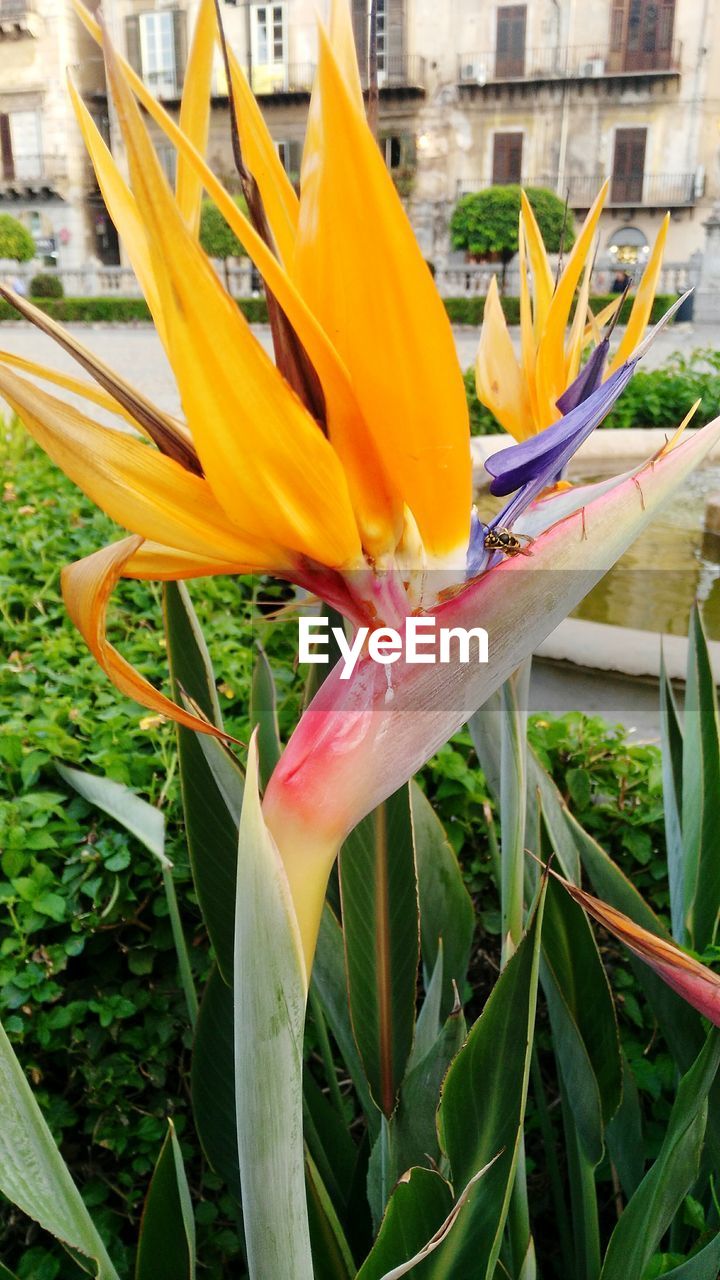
column 543, row 455
column 587, row 381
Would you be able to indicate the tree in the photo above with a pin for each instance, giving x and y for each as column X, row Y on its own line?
column 15, row 240
column 485, row 224
column 217, row 237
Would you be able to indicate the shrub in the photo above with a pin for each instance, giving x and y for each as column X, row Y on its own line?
column 46, row 286
column 485, row 224
column 15, row 240
column 117, row 310
column 216, row 236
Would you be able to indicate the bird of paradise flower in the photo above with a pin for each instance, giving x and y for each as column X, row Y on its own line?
column 343, row 467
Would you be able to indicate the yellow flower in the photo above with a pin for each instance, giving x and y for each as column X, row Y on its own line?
column 522, row 391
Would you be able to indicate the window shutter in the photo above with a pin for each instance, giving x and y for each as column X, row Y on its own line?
column 628, row 166
column 6, row 153
column 510, row 40
column 132, row 42
column 617, row 25
column 180, row 45
column 507, row 158
column 395, row 26
column 666, row 24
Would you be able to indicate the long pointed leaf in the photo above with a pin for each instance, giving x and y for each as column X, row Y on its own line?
column 482, row 1112
column 378, row 886
column 700, row 789
column 213, row 1089
column 212, row 784
column 166, row 1248
column 671, row 739
column 662, row 1190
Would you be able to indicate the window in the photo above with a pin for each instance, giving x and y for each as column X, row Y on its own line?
column 507, row 158
column 156, row 49
column 381, row 39
column 361, row 32
column 641, row 34
column 20, row 146
column 628, row 166
column 290, row 154
column 510, row 41
column 269, row 34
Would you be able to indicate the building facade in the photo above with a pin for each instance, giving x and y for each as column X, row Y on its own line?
column 45, row 178
column 558, row 93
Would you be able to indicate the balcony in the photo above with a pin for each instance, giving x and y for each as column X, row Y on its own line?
column 30, row 177
column 634, row 191
column 578, row 63
column 17, row 18
column 401, row 75
column 283, row 80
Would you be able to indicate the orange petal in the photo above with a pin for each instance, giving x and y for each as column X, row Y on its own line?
column 159, row 563
column 394, row 337
column 120, row 204
column 542, row 279
column 65, row 380
column 642, row 306
column 527, row 340
column 195, row 112
column 377, row 505
column 133, row 483
column 87, row 586
column 499, row 379
column 551, row 347
column 263, row 455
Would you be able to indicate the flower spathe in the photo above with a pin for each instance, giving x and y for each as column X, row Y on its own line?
column 528, row 392
column 359, row 492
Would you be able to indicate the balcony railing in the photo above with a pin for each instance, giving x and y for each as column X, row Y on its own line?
column 19, row 174
column 400, row 71
column 574, row 62
column 636, row 190
column 642, row 190
column 282, row 78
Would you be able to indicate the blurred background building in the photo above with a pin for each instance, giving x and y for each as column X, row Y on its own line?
column 559, row 93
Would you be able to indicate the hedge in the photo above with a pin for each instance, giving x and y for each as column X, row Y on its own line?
column 470, row 310
column 131, row 310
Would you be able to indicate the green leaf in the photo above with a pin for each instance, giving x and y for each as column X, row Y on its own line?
column 33, row 1174
column 482, row 1112
column 661, row 1192
column 584, row 1028
column 446, row 908
column 211, row 780
column 263, row 714
column 213, row 1076
column 166, row 1247
column 332, row 1258
column 700, row 789
column 378, row 887
column 133, row 813
column 704, row 1265
column 671, row 739
column 417, row 1208
column 624, row 1135
column 329, row 983
column 269, row 992
column 413, row 1128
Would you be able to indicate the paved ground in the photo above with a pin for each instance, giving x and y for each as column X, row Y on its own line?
column 136, row 352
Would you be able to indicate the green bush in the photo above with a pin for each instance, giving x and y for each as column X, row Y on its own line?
column 485, row 223
column 46, row 286
column 216, row 236
column 16, row 242
column 117, row 310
